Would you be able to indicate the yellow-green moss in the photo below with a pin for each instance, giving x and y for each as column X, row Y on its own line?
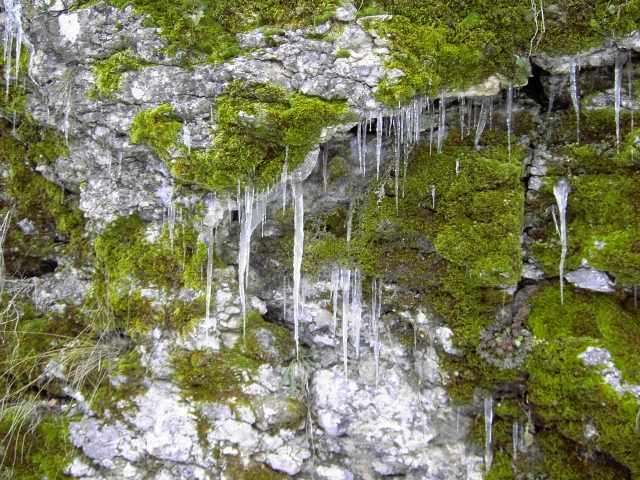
column 36, row 453
column 207, row 376
column 108, row 72
column 450, row 45
column 126, row 263
column 256, row 124
column 54, row 212
column 206, row 32
column 158, row 128
column 603, row 218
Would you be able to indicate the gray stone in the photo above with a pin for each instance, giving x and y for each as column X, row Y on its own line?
column 591, row 279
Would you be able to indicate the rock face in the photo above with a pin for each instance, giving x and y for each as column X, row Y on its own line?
column 430, row 261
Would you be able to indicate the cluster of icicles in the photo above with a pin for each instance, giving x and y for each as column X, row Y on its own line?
column 519, row 431
column 618, row 73
column 562, row 188
column 404, row 127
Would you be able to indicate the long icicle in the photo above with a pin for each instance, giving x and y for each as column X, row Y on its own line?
column 442, row 125
column 298, row 249
column 379, row 122
column 244, row 250
column 617, row 89
column 482, row 122
column 488, row 432
column 575, row 94
column 210, row 243
column 346, row 300
column 509, row 116
column 561, row 192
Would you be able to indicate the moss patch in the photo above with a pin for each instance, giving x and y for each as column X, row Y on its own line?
column 158, row 128
column 256, row 125
column 108, row 72
column 206, row 31
column 126, row 263
column 44, row 451
column 603, row 218
column 450, row 45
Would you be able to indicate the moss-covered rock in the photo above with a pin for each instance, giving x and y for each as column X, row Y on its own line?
column 32, row 451
column 208, row 376
column 258, row 128
column 158, row 128
column 108, row 72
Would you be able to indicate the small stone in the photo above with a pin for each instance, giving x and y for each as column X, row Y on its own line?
column 346, row 12
column 591, row 279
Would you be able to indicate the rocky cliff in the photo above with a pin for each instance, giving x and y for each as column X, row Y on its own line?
column 291, row 239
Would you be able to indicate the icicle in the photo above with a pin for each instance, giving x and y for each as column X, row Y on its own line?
column 171, row 220
column 488, row 432
column 431, row 109
column 346, row 286
column 482, row 122
column 66, row 124
column 298, row 249
column 349, row 223
column 284, row 298
column 359, row 143
column 630, row 88
column 13, row 35
column 442, row 125
column 417, row 120
column 515, row 435
column 575, row 95
column 461, row 108
column 356, row 311
column 325, row 171
column 186, row 137
column 396, row 169
column 509, row 116
column 379, row 126
column 363, row 149
column 433, row 197
column 244, row 250
column 561, row 192
column 617, row 88
column 491, row 113
column 210, row 243
column 284, row 178
column 335, row 290
column 376, row 308
column 120, row 160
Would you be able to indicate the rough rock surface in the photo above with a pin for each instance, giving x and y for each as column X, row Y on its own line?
column 308, row 418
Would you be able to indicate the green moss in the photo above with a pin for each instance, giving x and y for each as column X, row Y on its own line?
column 158, row 128
column 42, row 451
column 126, row 262
column 30, row 343
column 603, row 218
column 450, row 45
column 254, row 472
column 108, row 72
column 207, row 376
column 206, row 32
column 256, row 124
column 562, row 461
column 53, row 211
column 592, row 319
column 279, row 339
column 342, row 53
column 106, row 395
column 566, row 394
